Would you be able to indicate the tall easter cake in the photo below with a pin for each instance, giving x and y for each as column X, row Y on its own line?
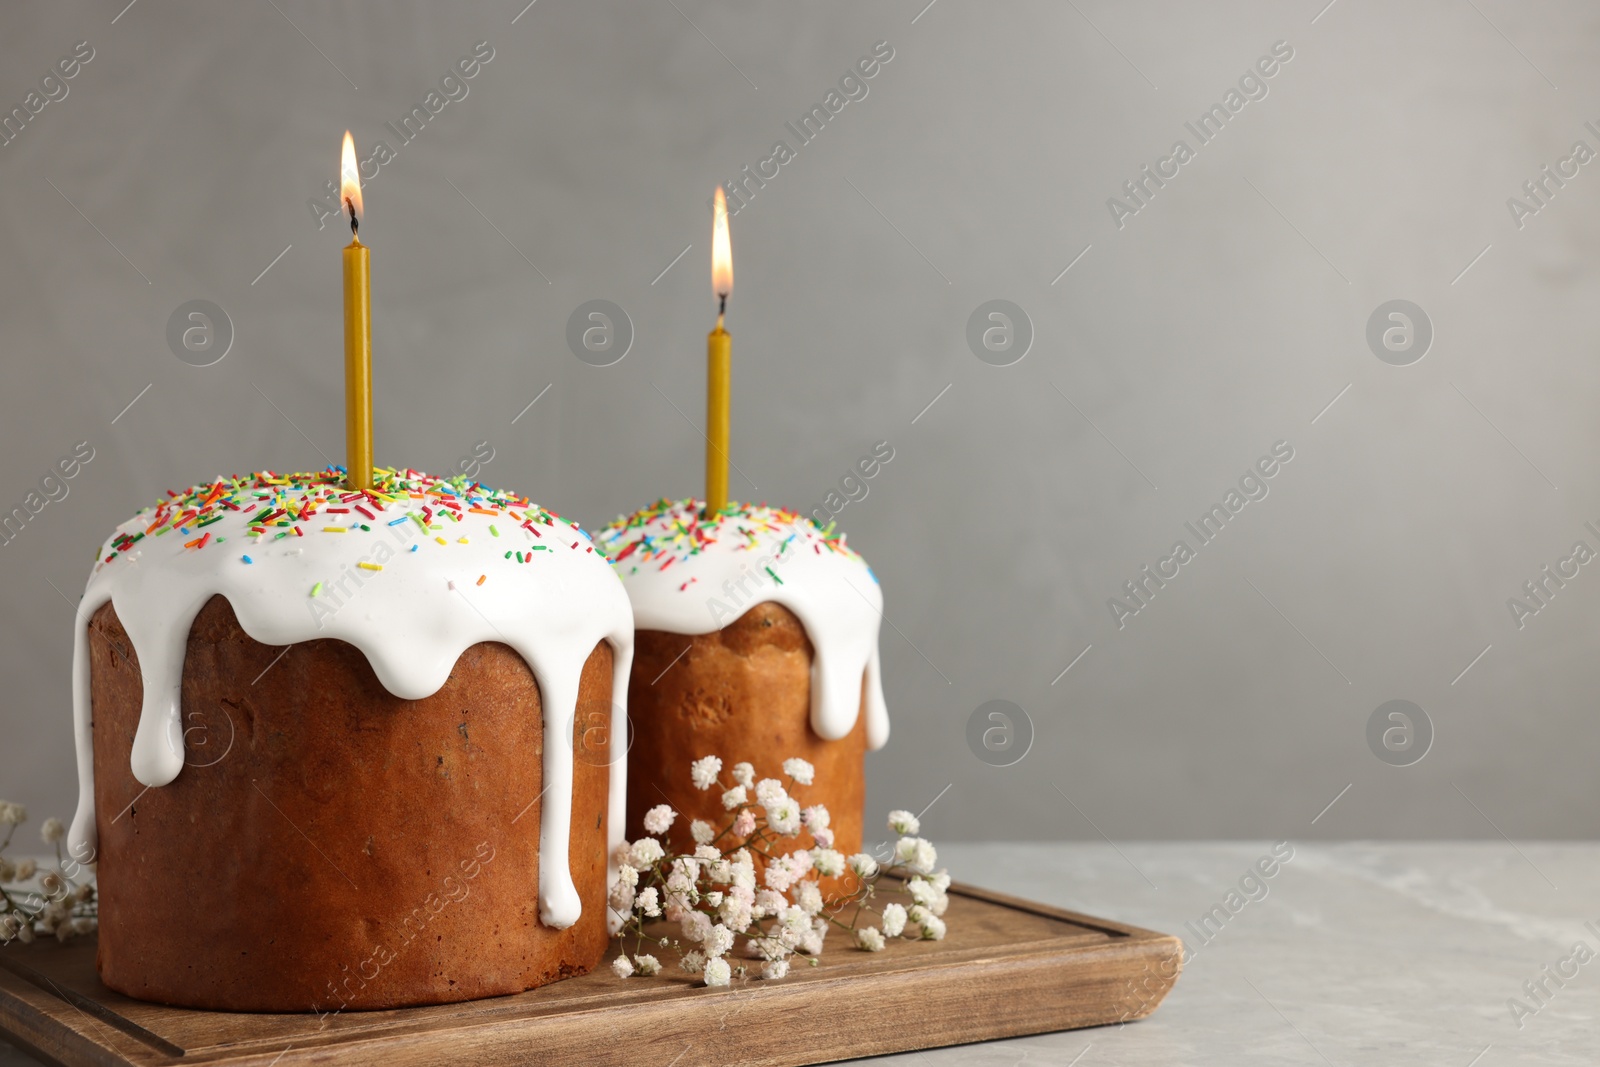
column 757, row 640
column 339, row 750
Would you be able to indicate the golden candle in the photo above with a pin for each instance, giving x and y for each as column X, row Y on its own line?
column 719, row 362
column 357, row 331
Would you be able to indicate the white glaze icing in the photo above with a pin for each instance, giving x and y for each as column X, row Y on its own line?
column 412, row 619
column 689, row 576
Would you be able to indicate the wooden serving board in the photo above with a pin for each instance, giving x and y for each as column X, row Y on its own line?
column 1008, row 968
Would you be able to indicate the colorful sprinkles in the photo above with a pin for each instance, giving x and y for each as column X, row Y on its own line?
column 268, row 506
column 671, row 531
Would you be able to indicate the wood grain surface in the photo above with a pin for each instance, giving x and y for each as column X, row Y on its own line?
column 1008, row 968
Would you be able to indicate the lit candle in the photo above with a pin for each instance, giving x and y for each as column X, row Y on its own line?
column 357, row 331
column 719, row 360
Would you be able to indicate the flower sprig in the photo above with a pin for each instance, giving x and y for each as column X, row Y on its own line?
column 57, row 904
column 744, row 892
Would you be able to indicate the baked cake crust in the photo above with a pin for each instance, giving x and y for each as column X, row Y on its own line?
column 742, row 693
column 329, row 846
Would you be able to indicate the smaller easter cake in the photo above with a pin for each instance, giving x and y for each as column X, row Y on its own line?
column 757, row 640
column 326, row 744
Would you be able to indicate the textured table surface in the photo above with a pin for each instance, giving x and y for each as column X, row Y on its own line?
column 1391, row 954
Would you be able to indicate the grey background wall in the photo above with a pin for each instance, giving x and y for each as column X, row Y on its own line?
column 1223, row 316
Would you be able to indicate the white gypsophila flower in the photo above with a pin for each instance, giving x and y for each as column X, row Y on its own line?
column 25, row 933
column 784, row 817
column 12, row 814
column 811, row 943
column 628, row 874
column 794, row 920
column 26, row 868
column 696, row 926
column 782, row 873
column 645, row 853
column 769, row 791
column 916, row 853
column 774, row 969
column 809, row 897
column 52, row 831
column 799, row 770
column 736, row 913
column 745, row 823
column 702, row 832
column 714, row 898
column 777, row 878
column 8, row 870
column 52, row 883
column 894, row 919
column 941, row 881
column 827, row 862
column 931, row 926
column 903, row 822
column 648, row 965
column 9, row 925
column 703, row 772
column 734, row 797
column 621, row 967
column 718, row 941
column 744, row 774
column 658, row 820
column 870, row 939
column 719, row 871
column 717, row 972
column 770, row 902
column 940, row 905
column 648, row 902
column 693, row 962
column 621, row 897
column 707, row 853
column 816, row 817
column 864, row 865
column 823, row 838
column 921, row 891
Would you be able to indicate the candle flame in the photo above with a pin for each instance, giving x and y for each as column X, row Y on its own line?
column 721, row 250
column 350, row 181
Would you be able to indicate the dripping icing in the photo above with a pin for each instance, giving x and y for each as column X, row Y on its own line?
column 692, row 575
column 447, row 564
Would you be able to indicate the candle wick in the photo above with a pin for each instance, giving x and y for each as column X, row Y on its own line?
column 355, row 223
column 722, row 306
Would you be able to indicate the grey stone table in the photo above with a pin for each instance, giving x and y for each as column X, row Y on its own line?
column 1385, row 954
